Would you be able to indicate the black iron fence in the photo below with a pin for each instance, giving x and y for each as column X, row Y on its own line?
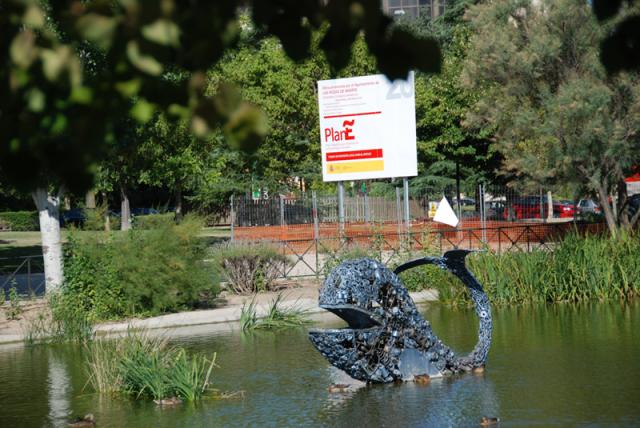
column 314, row 257
column 25, row 274
column 482, row 203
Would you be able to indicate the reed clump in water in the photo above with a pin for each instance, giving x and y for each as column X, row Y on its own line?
column 279, row 315
column 142, row 366
column 577, row 269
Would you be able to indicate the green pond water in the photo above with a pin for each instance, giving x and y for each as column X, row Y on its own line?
column 549, row 366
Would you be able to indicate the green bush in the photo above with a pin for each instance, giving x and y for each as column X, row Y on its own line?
column 249, row 268
column 139, row 273
column 21, row 221
column 95, row 217
column 577, row 269
column 153, row 221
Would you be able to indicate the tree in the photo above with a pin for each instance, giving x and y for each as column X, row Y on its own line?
column 557, row 116
column 171, row 157
column 287, row 93
column 57, row 110
column 447, row 149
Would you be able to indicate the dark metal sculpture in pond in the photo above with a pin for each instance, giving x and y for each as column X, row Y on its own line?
column 387, row 338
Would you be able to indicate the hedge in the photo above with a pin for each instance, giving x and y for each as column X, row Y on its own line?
column 21, row 221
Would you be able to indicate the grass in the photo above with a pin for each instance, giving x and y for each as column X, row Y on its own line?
column 278, row 316
column 144, row 367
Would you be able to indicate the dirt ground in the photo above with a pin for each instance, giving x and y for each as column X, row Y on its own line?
column 25, row 314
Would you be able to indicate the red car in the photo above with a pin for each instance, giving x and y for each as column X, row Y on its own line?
column 536, row 207
column 564, row 209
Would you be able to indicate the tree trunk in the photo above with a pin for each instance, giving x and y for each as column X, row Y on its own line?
column 90, row 199
column 107, row 219
column 178, row 201
column 125, row 210
column 609, row 215
column 549, row 205
column 49, row 216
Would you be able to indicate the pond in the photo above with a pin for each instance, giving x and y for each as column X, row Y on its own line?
column 549, row 365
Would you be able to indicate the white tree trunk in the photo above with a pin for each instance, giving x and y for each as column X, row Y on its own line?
column 48, row 212
column 125, row 210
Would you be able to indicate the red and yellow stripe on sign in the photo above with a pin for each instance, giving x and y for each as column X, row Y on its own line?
column 361, row 166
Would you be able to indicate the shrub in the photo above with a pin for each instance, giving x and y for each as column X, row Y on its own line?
column 139, row 273
column 153, row 221
column 249, row 268
column 95, row 218
column 21, row 221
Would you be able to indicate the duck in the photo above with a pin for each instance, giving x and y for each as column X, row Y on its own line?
column 172, row 401
column 478, row 370
column 487, row 420
column 88, row 421
column 338, row 387
column 422, row 379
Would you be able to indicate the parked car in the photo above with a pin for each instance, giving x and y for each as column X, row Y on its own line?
column 464, row 201
column 144, row 211
column 588, row 206
column 527, row 207
column 73, row 216
column 537, row 206
column 495, row 209
column 564, row 209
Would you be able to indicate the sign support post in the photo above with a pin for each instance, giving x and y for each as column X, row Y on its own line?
column 398, row 212
column 407, row 214
column 341, row 207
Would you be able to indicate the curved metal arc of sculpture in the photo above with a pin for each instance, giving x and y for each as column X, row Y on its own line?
column 387, row 338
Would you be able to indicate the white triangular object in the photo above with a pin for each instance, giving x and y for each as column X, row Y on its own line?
column 445, row 214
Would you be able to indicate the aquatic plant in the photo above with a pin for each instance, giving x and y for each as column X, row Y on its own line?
column 279, row 315
column 142, row 366
column 248, row 316
column 579, row 268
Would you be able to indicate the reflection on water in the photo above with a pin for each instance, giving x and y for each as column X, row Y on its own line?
column 443, row 402
column 59, row 389
column 556, row 365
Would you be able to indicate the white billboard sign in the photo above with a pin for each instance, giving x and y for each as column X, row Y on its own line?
column 367, row 128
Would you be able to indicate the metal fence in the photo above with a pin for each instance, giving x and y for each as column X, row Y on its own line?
column 313, row 257
column 308, row 229
column 487, row 202
column 24, row 273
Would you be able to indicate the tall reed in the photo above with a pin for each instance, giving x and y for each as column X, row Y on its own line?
column 578, row 269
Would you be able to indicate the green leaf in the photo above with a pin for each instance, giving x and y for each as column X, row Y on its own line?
column 23, row 50
column 128, row 88
column 36, row 100
column 145, row 63
column 246, row 127
column 142, row 110
column 97, row 28
column 81, row 95
column 34, row 17
column 163, row 32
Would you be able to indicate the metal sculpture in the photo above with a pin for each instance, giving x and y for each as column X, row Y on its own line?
column 387, row 338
